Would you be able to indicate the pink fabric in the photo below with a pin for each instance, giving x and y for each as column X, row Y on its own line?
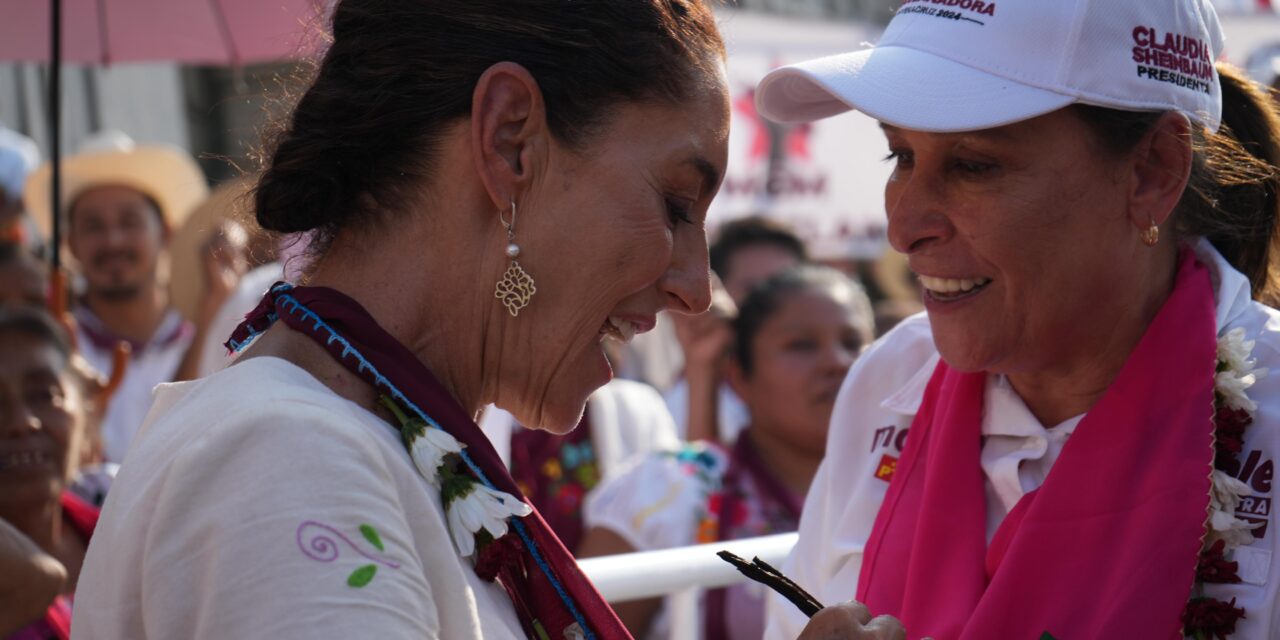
column 234, row 32
column 1106, row 548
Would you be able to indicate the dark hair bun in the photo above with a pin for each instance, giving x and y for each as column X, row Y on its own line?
column 398, row 73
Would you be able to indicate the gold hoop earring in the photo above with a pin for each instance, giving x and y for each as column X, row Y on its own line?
column 1151, row 236
column 516, row 287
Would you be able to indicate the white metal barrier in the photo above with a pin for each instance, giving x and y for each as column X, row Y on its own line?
column 681, row 573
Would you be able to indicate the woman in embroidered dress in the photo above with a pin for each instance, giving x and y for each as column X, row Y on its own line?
column 43, row 410
column 1090, row 440
column 493, row 188
column 797, row 333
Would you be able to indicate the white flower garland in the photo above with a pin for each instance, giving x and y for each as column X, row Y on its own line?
column 1204, row 616
column 1236, row 373
column 470, row 507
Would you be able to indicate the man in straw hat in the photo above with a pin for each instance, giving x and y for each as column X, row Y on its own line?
column 121, row 203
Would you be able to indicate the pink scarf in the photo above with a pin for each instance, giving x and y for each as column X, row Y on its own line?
column 1106, row 548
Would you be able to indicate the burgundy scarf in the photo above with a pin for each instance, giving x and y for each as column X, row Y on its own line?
column 1106, row 548
column 549, row 591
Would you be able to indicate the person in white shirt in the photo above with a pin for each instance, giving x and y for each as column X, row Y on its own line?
column 1077, row 439
column 746, row 252
column 796, row 335
column 623, row 420
column 122, row 202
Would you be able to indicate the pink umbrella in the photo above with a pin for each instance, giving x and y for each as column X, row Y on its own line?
column 230, row 32
column 226, row 32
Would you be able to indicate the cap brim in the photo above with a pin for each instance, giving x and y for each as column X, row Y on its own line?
column 904, row 87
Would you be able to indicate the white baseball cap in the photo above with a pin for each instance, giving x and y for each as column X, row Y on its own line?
column 963, row 65
column 19, row 156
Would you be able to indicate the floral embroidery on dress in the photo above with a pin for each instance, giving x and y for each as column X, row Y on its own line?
column 706, row 465
column 319, row 542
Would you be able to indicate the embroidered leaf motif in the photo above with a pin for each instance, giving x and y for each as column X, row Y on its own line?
column 371, row 535
column 1046, row 636
column 362, row 576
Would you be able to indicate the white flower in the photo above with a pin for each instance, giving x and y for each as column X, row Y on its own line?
column 1233, row 530
column 1223, row 500
column 428, row 449
column 1227, row 492
column 1232, row 385
column 1234, row 350
column 482, row 508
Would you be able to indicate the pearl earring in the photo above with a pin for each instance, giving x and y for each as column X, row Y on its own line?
column 516, row 288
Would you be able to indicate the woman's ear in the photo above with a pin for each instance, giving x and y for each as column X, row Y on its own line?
column 1161, row 168
column 508, row 130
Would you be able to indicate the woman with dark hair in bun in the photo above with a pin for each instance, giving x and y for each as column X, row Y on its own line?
column 493, row 189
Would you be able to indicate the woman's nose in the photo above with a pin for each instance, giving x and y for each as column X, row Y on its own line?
column 687, row 282
column 17, row 420
column 915, row 206
column 837, row 359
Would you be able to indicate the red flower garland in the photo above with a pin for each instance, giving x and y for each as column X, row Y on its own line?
column 1206, row 618
column 1229, row 426
column 1213, row 566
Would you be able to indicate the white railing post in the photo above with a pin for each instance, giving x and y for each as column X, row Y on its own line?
column 632, row 576
column 682, row 612
column 682, row 574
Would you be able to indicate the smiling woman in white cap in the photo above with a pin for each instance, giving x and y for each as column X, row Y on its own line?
column 1076, row 440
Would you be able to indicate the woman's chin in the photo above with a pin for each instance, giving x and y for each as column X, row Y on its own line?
column 961, row 351
column 557, row 418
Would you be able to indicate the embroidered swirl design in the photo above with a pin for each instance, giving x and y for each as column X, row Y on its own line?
column 324, row 548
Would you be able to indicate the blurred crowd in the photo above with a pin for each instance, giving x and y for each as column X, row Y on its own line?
column 712, row 429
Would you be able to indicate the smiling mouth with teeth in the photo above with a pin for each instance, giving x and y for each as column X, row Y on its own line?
column 952, row 288
column 618, row 330
column 24, row 459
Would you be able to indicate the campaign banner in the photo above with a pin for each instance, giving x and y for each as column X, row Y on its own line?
column 826, row 179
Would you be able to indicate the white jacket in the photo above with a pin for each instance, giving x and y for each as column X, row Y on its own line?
column 880, row 398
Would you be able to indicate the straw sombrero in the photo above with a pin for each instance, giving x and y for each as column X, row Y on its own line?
column 167, row 174
column 186, row 282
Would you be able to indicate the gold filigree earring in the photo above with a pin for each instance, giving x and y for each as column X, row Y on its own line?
column 516, row 287
column 1151, row 235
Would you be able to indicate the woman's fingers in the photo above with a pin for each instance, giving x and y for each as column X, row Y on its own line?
column 845, row 620
column 886, row 628
column 852, row 621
